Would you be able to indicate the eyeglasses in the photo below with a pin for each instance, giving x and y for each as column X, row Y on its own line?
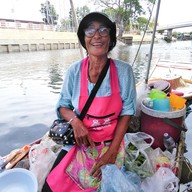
column 103, row 31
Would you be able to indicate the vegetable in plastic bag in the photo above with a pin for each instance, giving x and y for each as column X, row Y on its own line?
column 136, row 156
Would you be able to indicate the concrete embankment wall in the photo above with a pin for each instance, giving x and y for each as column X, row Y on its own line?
column 18, row 40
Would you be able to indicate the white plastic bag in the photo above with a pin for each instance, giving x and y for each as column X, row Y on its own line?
column 137, row 149
column 161, row 158
column 163, row 180
column 142, row 92
column 41, row 159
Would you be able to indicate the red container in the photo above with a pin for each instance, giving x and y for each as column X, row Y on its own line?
column 152, row 123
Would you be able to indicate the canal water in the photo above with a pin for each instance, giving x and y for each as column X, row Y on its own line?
column 30, row 83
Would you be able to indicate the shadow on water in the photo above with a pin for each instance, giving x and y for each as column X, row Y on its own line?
column 20, row 136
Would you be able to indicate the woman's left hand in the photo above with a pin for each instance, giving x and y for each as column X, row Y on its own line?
column 108, row 158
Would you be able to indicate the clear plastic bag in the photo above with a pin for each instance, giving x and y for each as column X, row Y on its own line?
column 137, row 149
column 161, row 158
column 41, row 159
column 119, row 180
column 164, row 180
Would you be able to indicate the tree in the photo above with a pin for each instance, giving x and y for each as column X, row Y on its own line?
column 49, row 14
column 80, row 13
column 123, row 11
column 142, row 22
column 65, row 25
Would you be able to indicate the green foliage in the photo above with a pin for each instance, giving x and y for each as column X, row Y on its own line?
column 124, row 12
column 174, row 34
column 80, row 13
column 123, row 9
column 49, row 14
column 65, row 25
column 142, row 22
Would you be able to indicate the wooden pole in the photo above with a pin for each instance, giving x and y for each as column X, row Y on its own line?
column 152, row 42
column 76, row 26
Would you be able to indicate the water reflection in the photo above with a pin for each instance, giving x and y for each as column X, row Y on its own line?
column 31, row 82
column 55, row 78
column 128, row 53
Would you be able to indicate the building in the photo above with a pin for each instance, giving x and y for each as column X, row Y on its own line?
column 23, row 24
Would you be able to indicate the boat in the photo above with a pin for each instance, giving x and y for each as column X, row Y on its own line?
column 172, row 68
column 182, row 167
column 178, row 76
column 167, row 67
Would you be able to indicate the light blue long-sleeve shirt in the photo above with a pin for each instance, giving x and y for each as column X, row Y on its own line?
column 69, row 96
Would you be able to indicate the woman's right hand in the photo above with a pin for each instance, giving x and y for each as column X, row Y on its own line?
column 81, row 133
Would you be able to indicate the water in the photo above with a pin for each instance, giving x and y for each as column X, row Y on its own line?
column 30, row 83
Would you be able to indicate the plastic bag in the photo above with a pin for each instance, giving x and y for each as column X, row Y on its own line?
column 41, row 159
column 136, row 157
column 119, row 180
column 161, row 158
column 163, row 180
column 142, row 92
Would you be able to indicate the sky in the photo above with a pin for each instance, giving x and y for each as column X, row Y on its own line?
column 29, row 9
column 171, row 11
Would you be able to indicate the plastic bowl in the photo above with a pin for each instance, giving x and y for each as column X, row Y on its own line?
column 18, row 180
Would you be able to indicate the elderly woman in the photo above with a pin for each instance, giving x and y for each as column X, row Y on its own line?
column 99, row 136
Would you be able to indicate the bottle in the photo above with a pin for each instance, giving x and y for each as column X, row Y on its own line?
column 148, row 102
column 169, row 142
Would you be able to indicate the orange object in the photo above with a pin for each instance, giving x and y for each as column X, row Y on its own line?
column 176, row 101
column 26, row 147
column 16, row 156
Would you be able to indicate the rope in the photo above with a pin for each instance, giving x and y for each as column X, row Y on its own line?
column 143, row 34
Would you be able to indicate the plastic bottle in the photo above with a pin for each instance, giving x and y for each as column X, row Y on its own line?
column 169, row 142
column 148, row 102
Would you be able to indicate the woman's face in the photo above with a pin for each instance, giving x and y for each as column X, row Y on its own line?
column 97, row 39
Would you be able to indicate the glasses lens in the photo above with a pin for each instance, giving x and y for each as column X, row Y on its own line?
column 104, row 31
column 90, row 32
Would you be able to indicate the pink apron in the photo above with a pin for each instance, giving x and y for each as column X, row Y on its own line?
column 72, row 173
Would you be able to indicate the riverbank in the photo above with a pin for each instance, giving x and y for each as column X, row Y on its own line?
column 136, row 39
column 18, row 40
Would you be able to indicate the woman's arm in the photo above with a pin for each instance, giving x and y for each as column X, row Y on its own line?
column 81, row 132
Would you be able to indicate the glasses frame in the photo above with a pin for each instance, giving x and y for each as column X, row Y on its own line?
column 94, row 31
